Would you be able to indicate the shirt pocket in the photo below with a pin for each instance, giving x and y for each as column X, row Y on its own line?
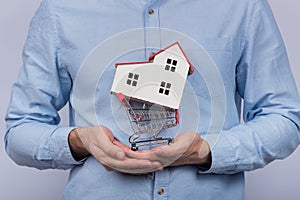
column 211, row 58
column 211, row 88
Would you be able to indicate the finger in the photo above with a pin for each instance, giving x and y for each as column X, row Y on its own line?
column 108, row 168
column 108, row 147
column 121, row 145
column 107, row 132
column 134, row 166
column 160, row 169
column 128, row 165
column 143, row 154
column 181, row 144
column 167, row 151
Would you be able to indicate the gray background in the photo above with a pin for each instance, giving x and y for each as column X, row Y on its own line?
column 279, row 180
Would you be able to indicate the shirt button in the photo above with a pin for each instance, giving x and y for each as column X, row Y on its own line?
column 150, row 11
column 160, row 191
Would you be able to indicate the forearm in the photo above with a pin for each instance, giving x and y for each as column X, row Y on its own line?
column 253, row 145
column 40, row 145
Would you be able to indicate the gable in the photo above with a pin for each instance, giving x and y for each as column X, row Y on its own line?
column 175, row 51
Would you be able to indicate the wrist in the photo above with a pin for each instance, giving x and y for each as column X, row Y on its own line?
column 205, row 156
column 77, row 148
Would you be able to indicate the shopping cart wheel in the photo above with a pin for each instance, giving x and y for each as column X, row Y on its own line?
column 134, row 147
column 170, row 140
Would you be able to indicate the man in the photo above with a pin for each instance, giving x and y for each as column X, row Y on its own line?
column 69, row 56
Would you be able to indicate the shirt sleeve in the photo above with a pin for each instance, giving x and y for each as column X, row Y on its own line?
column 33, row 136
column 271, row 103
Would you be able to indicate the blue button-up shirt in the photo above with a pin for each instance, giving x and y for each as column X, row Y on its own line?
column 237, row 52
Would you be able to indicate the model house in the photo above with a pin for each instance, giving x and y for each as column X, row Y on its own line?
column 160, row 81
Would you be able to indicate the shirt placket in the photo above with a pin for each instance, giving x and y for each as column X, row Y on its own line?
column 152, row 28
column 152, row 45
column 161, row 185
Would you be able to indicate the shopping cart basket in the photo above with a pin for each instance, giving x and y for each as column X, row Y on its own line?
column 148, row 120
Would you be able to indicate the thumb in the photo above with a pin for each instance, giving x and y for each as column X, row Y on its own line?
column 108, row 168
column 107, row 145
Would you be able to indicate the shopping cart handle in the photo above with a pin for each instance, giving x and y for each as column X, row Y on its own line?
column 177, row 116
column 122, row 98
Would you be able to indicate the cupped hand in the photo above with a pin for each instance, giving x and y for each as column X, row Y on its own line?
column 100, row 142
column 188, row 148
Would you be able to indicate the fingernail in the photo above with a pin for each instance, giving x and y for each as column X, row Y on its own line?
column 120, row 155
column 160, row 169
column 158, row 151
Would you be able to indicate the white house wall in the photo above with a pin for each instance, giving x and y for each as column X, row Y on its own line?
column 150, row 77
column 174, row 53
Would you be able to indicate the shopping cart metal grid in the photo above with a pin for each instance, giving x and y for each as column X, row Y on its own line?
column 148, row 120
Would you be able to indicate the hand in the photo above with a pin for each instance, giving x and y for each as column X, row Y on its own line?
column 188, row 149
column 100, row 142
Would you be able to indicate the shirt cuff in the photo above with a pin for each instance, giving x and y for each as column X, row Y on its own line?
column 223, row 156
column 60, row 149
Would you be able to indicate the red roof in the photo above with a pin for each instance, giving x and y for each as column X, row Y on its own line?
column 151, row 58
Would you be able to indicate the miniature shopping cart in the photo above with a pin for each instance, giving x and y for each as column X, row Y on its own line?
column 148, row 120
column 158, row 86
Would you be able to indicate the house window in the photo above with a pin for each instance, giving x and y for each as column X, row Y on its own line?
column 171, row 65
column 132, row 79
column 164, row 88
